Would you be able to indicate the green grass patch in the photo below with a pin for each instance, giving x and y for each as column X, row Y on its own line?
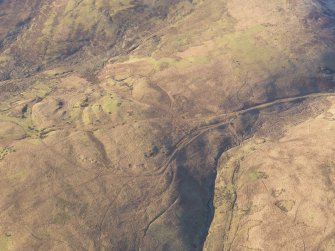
column 49, row 23
column 87, row 116
column 20, row 175
column 6, row 243
column 34, row 141
column 255, row 174
column 251, row 175
column 4, row 59
column 181, row 41
column 4, row 151
column 44, row 132
column 179, row 63
column 110, row 104
column 55, row 71
column 61, row 218
column 106, row 105
column 250, row 48
column 39, row 90
column 25, row 123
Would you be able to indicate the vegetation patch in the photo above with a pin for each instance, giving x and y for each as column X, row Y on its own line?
column 285, row 205
column 181, row 41
column 105, row 106
column 10, row 130
column 69, row 209
column 5, row 151
column 24, row 122
column 34, row 141
column 40, row 90
column 19, row 176
column 44, row 132
column 22, row 118
column 5, row 243
column 61, row 218
column 43, row 232
column 255, row 174
column 163, row 233
column 55, row 71
column 110, row 104
column 249, row 48
column 177, row 62
column 251, row 175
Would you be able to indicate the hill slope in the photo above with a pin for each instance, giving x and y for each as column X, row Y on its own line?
column 166, row 125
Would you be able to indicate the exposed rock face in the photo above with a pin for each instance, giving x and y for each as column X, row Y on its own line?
column 167, row 125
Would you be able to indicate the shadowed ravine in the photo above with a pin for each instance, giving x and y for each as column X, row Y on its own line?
column 231, row 137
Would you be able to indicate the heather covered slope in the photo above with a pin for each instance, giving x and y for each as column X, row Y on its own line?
column 166, row 125
column 66, row 32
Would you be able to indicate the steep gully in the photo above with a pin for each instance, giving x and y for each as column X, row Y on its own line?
column 216, row 122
